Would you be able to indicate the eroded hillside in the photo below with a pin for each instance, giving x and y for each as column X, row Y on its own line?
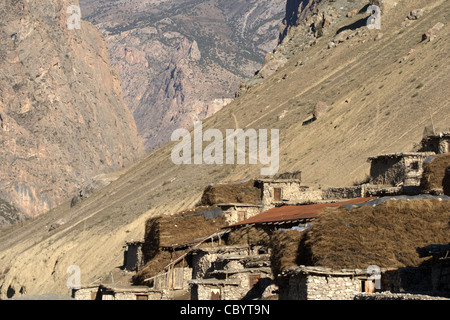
column 380, row 86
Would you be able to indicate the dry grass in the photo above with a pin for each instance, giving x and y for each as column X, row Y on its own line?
column 285, row 246
column 175, row 231
column 152, row 268
column 386, row 235
column 434, row 172
column 238, row 192
column 249, row 236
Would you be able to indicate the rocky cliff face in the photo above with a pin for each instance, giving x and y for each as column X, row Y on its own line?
column 186, row 90
column 63, row 119
column 183, row 60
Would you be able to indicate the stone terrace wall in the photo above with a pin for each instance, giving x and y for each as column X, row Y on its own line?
column 344, row 192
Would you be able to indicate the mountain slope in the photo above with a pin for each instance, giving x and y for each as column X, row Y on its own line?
column 63, row 118
column 380, row 94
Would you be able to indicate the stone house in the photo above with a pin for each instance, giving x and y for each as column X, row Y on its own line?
column 230, row 273
column 342, row 241
column 290, row 192
column 438, row 143
column 397, row 169
column 318, row 283
column 244, row 271
column 276, row 192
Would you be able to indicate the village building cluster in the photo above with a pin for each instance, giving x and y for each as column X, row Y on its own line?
column 225, row 250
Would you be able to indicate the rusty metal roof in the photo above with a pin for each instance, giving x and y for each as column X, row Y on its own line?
column 293, row 213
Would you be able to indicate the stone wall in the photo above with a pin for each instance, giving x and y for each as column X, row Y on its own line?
column 98, row 292
column 382, row 183
column 444, row 145
column 398, row 169
column 319, row 283
column 438, row 143
column 204, row 258
column 386, row 173
column 238, row 286
column 343, row 192
column 230, row 273
column 291, row 191
column 87, row 293
column 396, row 296
column 218, row 290
column 381, row 191
column 237, row 213
column 133, row 256
column 320, row 287
column 414, row 169
column 127, row 295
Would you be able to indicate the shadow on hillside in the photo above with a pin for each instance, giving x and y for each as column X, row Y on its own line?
column 308, row 121
column 355, row 25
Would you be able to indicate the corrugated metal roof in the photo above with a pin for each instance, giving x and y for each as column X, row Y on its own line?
column 292, row 213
